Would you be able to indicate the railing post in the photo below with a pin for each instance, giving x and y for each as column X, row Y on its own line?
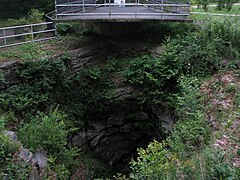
column 83, row 8
column 162, row 9
column 5, row 39
column 135, row 8
column 109, row 15
column 56, row 9
column 32, row 33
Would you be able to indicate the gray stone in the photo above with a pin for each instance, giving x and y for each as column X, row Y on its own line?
column 40, row 160
column 12, row 135
column 25, row 154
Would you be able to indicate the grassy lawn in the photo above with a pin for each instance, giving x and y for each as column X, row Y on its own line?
column 235, row 10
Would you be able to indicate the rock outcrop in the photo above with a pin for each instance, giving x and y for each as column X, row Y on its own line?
column 115, row 134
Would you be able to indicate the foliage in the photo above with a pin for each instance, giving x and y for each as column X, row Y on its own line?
column 38, row 79
column 87, row 92
column 152, row 77
column 225, row 29
column 49, row 133
column 64, row 28
column 192, row 55
column 7, row 148
column 77, row 29
column 34, row 16
column 213, row 163
column 152, row 163
column 16, row 9
column 16, row 169
column 225, row 4
column 159, row 162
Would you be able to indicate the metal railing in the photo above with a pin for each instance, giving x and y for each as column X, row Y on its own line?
column 109, row 8
column 17, row 35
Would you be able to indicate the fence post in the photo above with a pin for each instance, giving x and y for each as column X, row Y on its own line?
column 162, row 10
column 56, row 11
column 32, row 33
column 109, row 9
column 83, row 8
column 4, row 35
column 136, row 8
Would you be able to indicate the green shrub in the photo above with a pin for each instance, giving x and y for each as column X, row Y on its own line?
column 7, row 146
column 49, row 133
column 192, row 131
column 190, row 134
column 34, row 16
column 64, row 29
column 213, row 163
column 225, row 29
column 17, row 169
column 38, row 80
column 76, row 29
column 153, row 163
column 152, row 78
column 191, row 55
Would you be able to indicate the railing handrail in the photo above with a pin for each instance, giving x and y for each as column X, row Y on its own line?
column 126, row 4
column 30, row 31
column 27, row 25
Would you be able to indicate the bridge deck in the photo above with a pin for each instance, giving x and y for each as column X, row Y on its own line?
column 122, row 14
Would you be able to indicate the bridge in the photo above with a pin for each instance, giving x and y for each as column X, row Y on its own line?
column 122, row 10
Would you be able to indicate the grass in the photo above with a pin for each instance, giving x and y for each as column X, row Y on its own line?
column 212, row 9
column 38, row 50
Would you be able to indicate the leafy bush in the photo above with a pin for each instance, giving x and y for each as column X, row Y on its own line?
column 76, row 29
column 192, row 131
column 191, row 55
column 160, row 162
column 190, row 134
column 34, row 16
column 49, row 133
column 153, row 163
column 64, row 28
column 213, row 163
column 7, row 146
column 152, row 77
column 38, row 80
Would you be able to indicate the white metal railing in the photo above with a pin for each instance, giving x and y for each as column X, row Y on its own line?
column 107, row 8
column 16, row 35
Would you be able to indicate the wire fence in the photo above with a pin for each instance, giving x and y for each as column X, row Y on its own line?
column 17, row 35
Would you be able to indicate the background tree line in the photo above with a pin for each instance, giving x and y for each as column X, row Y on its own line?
column 20, row 8
column 221, row 4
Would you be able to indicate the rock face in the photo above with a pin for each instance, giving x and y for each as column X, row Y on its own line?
column 115, row 134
